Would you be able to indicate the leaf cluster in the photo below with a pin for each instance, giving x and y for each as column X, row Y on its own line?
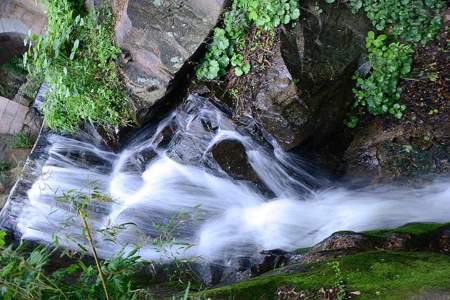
column 228, row 46
column 379, row 92
column 416, row 21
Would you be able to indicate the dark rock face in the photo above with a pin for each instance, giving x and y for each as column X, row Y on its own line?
column 278, row 107
column 272, row 259
column 398, row 151
column 232, row 158
column 307, row 89
column 157, row 38
column 441, row 241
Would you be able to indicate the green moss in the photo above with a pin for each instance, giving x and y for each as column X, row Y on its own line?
column 418, row 229
column 376, row 275
column 302, row 250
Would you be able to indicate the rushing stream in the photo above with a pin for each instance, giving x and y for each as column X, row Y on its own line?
column 167, row 175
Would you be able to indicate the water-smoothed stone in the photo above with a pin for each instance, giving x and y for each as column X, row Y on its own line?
column 157, row 38
column 307, row 90
column 232, row 158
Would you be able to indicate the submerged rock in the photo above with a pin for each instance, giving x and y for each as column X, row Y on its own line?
column 157, row 38
column 232, row 158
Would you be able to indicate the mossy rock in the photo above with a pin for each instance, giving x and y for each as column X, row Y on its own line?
column 373, row 275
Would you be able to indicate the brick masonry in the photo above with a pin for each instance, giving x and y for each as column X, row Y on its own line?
column 12, row 116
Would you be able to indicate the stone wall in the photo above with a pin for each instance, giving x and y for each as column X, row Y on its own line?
column 17, row 18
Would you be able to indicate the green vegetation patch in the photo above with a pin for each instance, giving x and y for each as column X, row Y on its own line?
column 22, row 141
column 418, row 229
column 375, row 275
column 15, row 66
column 416, row 21
column 77, row 58
column 408, row 23
column 229, row 47
column 379, row 92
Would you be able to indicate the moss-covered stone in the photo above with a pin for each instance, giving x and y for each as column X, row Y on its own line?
column 418, row 229
column 375, row 275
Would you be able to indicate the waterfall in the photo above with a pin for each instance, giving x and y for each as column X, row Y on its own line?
column 166, row 175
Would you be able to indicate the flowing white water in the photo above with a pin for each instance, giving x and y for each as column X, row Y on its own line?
column 168, row 174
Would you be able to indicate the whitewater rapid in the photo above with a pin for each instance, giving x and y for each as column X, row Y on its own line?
column 166, row 174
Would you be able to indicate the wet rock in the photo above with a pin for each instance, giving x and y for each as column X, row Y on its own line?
column 339, row 244
column 157, row 38
column 399, row 241
column 272, row 259
column 385, row 153
column 278, row 107
column 232, row 158
column 166, row 135
column 440, row 241
column 307, row 90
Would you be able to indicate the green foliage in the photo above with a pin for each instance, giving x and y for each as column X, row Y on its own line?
column 415, row 229
column 410, row 22
column 380, row 93
column 15, row 66
column 4, row 166
column 228, row 46
column 24, row 275
column 416, row 21
column 76, row 57
column 22, row 141
column 339, row 281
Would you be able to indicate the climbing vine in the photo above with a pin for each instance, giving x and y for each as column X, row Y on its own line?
column 228, row 43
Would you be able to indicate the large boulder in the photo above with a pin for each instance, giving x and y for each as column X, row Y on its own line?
column 386, row 149
column 307, row 89
column 157, row 38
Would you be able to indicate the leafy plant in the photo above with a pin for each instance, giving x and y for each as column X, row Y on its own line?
column 77, row 58
column 15, row 65
column 4, row 166
column 22, row 141
column 339, row 281
column 380, row 93
column 416, row 21
column 228, row 46
column 409, row 22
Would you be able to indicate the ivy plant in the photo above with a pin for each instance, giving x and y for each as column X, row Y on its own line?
column 228, row 45
column 416, row 21
column 380, row 93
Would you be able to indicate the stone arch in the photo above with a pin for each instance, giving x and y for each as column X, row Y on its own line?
column 17, row 18
column 11, row 44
